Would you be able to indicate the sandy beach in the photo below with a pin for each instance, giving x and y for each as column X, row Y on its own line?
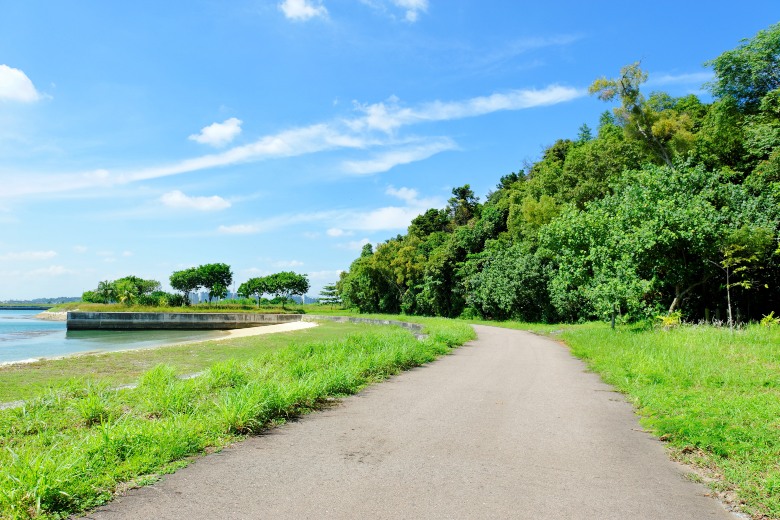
column 266, row 329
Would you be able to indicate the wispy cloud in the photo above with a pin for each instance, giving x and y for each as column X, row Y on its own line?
column 346, row 222
column 693, row 78
column 302, row 10
column 337, row 232
column 325, row 276
column 412, row 8
column 16, row 86
column 355, row 245
column 178, row 200
column 52, row 270
column 403, row 155
column 390, row 116
column 376, row 126
column 288, row 263
column 218, row 134
column 26, row 256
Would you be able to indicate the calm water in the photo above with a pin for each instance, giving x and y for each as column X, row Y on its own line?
column 23, row 337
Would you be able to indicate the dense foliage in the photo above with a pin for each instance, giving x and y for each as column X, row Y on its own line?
column 672, row 205
column 214, row 278
column 282, row 285
column 131, row 290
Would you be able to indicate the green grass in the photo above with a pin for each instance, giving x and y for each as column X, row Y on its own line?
column 25, row 381
column 714, row 396
column 72, row 448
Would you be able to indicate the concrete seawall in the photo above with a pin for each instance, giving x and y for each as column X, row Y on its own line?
column 173, row 320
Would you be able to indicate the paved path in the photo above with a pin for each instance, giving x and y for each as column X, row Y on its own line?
column 508, row 426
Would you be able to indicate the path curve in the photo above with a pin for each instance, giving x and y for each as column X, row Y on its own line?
column 508, row 426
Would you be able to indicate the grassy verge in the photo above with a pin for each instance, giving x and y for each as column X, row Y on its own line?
column 71, row 449
column 26, row 381
column 714, row 396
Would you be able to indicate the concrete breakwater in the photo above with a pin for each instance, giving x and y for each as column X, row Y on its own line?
column 173, row 320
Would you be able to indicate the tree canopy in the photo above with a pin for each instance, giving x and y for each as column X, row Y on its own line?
column 648, row 213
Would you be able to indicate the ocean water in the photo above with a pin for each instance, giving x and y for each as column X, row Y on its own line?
column 22, row 337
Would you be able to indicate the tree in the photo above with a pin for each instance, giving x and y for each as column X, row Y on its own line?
column 432, row 221
column 140, row 286
column 329, row 295
column 254, row 287
column 106, row 291
column 463, row 204
column 215, row 278
column 746, row 74
column 186, row 281
column 126, row 291
column 634, row 111
column 285, row 284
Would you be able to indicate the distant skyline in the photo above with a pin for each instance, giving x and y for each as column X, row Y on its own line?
column 146, row 137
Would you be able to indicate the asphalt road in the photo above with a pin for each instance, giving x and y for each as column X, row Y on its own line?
column 508, row 426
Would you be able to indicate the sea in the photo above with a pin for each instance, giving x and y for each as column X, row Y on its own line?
column 25, row 338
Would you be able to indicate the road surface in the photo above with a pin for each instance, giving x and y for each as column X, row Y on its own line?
column 508, row 426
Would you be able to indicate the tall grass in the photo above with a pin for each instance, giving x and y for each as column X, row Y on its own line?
column 68, row 451
column 715, row 396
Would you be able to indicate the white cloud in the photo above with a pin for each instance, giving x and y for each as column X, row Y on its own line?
column 16, row 86
column 337, row 232
column 26, row 256
column 374, row 128
column 356, row 245
column 218, row 134
column 343, row 223
column 302, row 10
column 408, row 194
column 80, row 249
column 52, row 270
column 389, row 117
column 325, row 275
column 178, row 200
column 404, row 155
column 381, row 219
column 412, row 7
column 288, row 263
column 695, row 78
column 127, row 253
column 239, row 229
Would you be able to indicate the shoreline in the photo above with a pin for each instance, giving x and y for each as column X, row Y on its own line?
column 229, row 334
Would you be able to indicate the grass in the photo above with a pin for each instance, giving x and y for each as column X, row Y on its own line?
column 714, row 396
column 72, row 447
column 25, row 381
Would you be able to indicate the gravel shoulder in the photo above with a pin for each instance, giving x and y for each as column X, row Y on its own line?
column 508, row 426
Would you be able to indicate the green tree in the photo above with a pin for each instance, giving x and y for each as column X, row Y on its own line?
column 463, row 205
column 106, row 291
column 287, row 283
column 634, row 112
column 329, row 295
column 186, row 281
column 215, row 278
column 746, row 74
column 256, row 287
column 126, row 292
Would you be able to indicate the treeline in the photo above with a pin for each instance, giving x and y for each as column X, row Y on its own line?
column 671, row 206
column 214, row 278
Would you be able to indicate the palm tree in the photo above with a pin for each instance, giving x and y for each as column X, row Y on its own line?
column 107, row 291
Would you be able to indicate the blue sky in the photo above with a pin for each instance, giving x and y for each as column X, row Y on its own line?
column 145, row 137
